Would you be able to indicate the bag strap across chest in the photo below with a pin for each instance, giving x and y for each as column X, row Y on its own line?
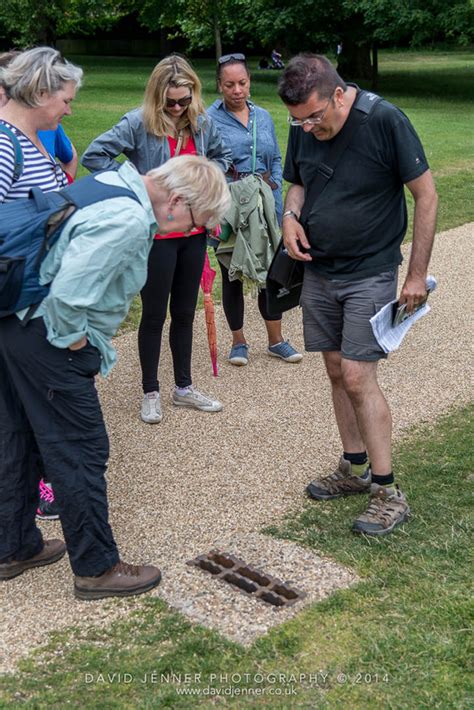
column 18, row 153
column 362, row 106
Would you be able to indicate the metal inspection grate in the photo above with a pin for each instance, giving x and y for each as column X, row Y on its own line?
column 247, row 579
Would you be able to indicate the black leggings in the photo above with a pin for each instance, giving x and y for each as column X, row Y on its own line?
column 174, row 272
column 233, row 301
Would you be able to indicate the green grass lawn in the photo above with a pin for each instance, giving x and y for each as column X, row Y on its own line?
column 398, row 639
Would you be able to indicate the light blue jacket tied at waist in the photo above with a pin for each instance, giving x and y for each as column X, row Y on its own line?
column 147, row 151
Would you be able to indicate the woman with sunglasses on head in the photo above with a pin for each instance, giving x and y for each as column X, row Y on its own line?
column 249, row 132
column 172, row 121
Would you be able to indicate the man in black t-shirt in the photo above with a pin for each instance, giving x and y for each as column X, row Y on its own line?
column 351, row 250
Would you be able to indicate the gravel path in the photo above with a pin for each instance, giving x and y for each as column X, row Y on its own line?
column 178, row 488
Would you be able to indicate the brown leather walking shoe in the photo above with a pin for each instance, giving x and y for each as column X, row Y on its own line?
column 388, row 508
column 342, row 482
column 121, row 580
column 52, row 551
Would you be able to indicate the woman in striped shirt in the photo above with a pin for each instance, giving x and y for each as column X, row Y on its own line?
column 38, row 86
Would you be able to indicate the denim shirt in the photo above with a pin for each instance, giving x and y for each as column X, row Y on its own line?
column 239, row 139
column 147, row 151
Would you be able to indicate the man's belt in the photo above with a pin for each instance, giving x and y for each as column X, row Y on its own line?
column 266, row 177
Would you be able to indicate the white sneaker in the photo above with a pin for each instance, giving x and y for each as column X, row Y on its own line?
column 151, row 408
column 197, row 400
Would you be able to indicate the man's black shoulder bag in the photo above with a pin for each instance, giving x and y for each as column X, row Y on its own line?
column 285, row 275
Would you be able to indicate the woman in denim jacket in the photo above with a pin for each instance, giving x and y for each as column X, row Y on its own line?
column 239, row 121
column 172, row 121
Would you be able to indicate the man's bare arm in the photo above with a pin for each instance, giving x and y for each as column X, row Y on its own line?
column 424, row 225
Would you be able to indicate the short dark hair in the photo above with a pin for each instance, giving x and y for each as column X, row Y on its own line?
column 306, row 73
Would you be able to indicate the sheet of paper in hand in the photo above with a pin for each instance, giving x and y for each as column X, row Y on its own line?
column 392, row 322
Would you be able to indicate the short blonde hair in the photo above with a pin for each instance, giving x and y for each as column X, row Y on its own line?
column 172, row 71
column 198, row 181
column 35, row 71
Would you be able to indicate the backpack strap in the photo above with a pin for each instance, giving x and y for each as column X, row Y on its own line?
column 365, row 101
column 88, row 190
column 18, row 153
column 42, row 203
column 362, row 106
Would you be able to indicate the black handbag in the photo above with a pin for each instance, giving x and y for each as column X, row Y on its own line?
column 285, row 275
column 284, row 282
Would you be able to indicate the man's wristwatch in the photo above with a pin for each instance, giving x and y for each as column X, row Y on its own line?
column 290, row 213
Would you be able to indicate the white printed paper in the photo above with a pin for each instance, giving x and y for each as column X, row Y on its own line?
column 388, row 337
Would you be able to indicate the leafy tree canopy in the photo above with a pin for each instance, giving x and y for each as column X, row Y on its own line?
column 36, row 22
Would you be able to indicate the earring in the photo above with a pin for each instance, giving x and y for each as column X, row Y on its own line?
column 170, row 218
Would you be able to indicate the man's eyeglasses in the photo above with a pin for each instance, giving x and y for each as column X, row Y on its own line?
column 312, row 120
column 238, row 57
column 193, row 225
column 170, row 103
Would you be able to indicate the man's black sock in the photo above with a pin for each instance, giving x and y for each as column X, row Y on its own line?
column 358, row 462
column 385, row 480
column 356, row 459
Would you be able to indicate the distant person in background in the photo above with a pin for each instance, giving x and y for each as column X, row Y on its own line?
column 277, row 62
column 339, row 49
column 238, row 120
column 171, row 122
column 37, row 88
column 263, row 63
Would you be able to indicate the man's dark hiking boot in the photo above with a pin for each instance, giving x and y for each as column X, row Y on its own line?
column 340, row 483
column 388, row 508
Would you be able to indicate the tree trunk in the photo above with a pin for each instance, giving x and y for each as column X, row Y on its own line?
column 46, row 36
column 218, row 42
column 217, row 38
column 375, row 67
column 354, row 60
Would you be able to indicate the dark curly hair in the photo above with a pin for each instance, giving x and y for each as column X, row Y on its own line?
column 306, row 73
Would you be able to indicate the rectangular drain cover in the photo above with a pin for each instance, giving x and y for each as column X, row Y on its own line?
column 247, row 579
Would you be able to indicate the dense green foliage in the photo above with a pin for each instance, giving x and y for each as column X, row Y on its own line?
column 36, row 22
column 316, row 25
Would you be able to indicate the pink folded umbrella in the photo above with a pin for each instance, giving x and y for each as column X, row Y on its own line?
column 207, row 280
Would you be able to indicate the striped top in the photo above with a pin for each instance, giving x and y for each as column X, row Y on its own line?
column 38, row 171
